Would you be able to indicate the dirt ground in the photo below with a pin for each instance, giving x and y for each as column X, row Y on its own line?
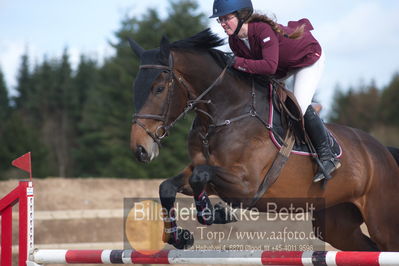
column 85, row 193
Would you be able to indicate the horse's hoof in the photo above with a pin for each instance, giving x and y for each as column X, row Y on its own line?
column 206, row 219
column 185, row 239
column 223, row 215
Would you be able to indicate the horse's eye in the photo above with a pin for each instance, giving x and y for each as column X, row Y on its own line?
column 159, row 89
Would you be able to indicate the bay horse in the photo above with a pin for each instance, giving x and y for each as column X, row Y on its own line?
column 230, row 149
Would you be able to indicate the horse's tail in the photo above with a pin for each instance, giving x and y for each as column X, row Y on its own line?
column 395, row 152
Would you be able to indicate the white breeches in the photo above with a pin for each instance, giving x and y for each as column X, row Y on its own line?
column 306, row 81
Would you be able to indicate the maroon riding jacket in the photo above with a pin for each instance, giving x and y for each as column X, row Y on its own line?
column 272, row 53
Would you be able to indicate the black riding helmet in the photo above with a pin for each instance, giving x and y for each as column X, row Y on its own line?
column 243, row 10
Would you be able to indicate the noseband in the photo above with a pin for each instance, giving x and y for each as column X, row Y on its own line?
column 162, row 131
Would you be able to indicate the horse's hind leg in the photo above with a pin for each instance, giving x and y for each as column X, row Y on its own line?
column 340, row 226
column 382, row 217
column 167, row 192
column 206, row 213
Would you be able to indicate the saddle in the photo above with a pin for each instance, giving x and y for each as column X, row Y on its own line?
column 285, row 113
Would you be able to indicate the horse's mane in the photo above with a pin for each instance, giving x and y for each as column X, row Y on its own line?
column 207, row 41
column 203, row 40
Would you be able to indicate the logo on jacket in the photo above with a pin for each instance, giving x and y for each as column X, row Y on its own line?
column 266, row 39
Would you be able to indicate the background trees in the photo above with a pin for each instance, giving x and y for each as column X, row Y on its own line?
column 77, row 123
column 372, row 109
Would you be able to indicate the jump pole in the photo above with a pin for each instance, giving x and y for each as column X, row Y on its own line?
column 28, row 256
column 256, row 257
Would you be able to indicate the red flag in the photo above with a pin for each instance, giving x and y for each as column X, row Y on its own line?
column 23, row 163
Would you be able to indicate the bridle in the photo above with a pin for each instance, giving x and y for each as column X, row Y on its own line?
column 163, row 130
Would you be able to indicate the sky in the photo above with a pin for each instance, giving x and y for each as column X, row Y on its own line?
column 360, row 38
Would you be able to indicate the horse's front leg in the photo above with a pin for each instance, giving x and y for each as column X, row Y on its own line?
column 206, row 213
column 179, row 238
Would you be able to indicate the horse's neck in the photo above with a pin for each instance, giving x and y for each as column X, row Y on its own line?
column 227, row 99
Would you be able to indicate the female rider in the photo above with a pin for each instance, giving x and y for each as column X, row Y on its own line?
column 261, row 46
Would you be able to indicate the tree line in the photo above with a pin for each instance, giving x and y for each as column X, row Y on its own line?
column 77, row 122
column 374, row 110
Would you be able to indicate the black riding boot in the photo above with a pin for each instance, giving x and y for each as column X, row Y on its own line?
column 318, row 134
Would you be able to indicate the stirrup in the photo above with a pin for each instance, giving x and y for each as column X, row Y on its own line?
column 334, row 162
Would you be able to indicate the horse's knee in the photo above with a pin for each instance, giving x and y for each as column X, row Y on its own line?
column 202, row 174
column 167, row 193
column 167, row 189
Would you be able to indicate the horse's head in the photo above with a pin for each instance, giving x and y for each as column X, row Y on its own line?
column 158, row 100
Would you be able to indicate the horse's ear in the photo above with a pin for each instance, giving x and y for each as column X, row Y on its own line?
column 136, row 48
column 164, row 48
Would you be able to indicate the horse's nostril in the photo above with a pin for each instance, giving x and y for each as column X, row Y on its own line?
column 140, row 150
column 141, row 154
